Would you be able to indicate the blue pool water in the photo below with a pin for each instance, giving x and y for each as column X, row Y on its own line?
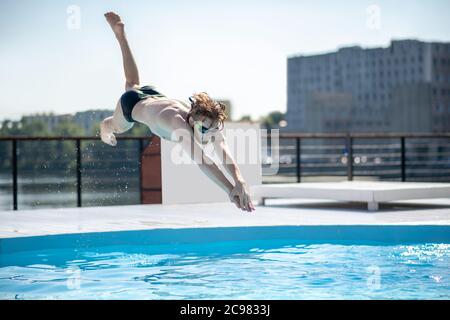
column 277, row 268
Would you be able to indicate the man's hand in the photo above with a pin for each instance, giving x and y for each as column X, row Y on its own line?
column 116, row 24
column 239, row 195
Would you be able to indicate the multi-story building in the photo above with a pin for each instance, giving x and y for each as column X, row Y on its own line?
column 402, row 88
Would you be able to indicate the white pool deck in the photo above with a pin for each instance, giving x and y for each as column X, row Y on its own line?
column 277, row 212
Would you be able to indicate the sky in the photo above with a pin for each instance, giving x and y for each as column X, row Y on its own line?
column 61, row 56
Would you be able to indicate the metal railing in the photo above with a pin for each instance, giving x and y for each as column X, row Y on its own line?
column 402, row 155
column 298, row 150
column 77, row 139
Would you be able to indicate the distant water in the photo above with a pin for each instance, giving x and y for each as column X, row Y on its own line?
column 56, row 191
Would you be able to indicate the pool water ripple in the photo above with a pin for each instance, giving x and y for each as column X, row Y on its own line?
column 265, row 269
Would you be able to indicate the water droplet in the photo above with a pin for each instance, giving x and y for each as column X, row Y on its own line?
column 436, row 278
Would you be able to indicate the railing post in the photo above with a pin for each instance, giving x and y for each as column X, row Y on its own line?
column 78, row 173
column 299, row 172
column 403, row 160
column 141, row 147
column 349, row 158
column 14, row 172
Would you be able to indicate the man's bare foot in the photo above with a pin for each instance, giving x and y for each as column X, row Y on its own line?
column 116, row 23
column 106, row 133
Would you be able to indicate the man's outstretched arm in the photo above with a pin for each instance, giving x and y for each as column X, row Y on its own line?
column 195, row 151
column 240, row 186
column 214, row 173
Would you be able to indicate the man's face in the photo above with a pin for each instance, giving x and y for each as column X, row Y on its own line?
column 204, row 127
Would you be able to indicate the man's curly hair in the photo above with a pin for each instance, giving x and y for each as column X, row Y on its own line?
column 203, row 105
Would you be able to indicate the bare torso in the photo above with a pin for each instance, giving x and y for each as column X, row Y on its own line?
column 158, row 113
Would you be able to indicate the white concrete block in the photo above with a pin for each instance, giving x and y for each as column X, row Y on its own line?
column 186, row 183
column 372, row 192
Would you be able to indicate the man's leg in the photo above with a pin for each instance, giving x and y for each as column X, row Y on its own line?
column 129, row 65
column 115, row 124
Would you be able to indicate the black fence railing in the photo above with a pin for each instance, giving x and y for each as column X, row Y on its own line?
column 380, row 156
column 86, row 162
column 85, row 171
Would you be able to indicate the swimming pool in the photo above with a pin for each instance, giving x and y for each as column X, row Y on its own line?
column 304, row 262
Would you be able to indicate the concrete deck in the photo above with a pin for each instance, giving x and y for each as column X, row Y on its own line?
column 275, row 213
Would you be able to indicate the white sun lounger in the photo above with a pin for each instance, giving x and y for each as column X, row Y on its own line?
column 372, row 192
